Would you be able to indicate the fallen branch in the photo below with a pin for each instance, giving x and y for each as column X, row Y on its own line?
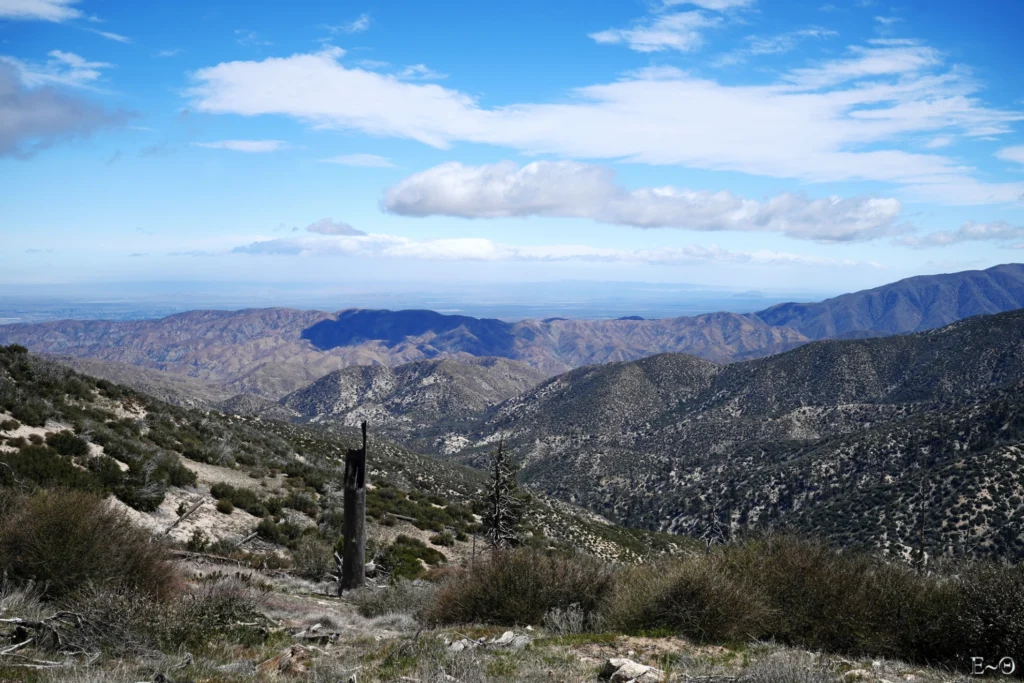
column 17, row 647
column 247, row 539
column 198, row 504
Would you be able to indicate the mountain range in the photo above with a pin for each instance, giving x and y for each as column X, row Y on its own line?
column 855, row 440
column 906, row 424
column 273, row 352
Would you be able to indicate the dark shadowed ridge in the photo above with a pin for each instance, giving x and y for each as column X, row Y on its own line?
column 911, row 305
column 480, row 336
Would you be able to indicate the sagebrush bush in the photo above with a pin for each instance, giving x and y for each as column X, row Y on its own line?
column 66, row 443
column 313, row 558
column 65, row 540
column 445, row 538
column 805, row 594
column 985, row 618
column 786, row 667
column 121, row 622
column 520, row 587
column 406, row 556
column 398, row 597
column 694, row 597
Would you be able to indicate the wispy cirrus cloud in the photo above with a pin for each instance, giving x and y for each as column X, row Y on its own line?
column 116, row 37
column 967, row 232
column 62, row 68
column 39, row 10
column 666, row 28
column 715, row 5
column 420, row 72
column 844, row 119
column 757, row 46
column 250, row 38
column 357, row 25
column 679, row 31
column 360, row 160
column 482, row 249
column 250, row 146
column 1014, row 154
column 572, row 190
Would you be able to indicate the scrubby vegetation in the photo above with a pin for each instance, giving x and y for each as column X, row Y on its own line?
column 780, row 589
column 521, row 586
column 65, row 541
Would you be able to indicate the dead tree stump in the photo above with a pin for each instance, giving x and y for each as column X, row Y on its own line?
column 353, row 561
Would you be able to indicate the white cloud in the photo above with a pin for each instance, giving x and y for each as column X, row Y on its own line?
column 251, row 146
column 44, row 10
column 681, row 31
column 868, row 62
column 1014, row 154
column 967, row 232
column 365, row 160
column 250, row 38
column 63, row 68
column 326, row 226
column 360, row 24
column 715, row 5
column 111, row 36
column 757, row 46
column 481, row 249
column 169, row 53
column 876, row 97
column 420, row 72
column 33, row 119
column 572, row 190
column 939, row 142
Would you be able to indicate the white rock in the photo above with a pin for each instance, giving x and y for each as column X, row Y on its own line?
column 625, row 670
column 506, row 638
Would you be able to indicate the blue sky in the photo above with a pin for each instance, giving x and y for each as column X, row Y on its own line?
column 740, row 143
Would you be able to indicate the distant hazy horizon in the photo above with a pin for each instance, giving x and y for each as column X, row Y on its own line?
column 568, row 299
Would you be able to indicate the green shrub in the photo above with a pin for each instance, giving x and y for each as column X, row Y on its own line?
column 170, row 469
column 445, row 538
column 520, row 587
column 198, row 542
column 43, row 466
column 65, row 540
column 804, row 594
column 225, row 506
column 9, row 425
column 66, row 443
column 303, row 502
column 285, row 533
column 313, row 558
column 405, row 557
column 692, row 597
column 241, row 498
column 984, row 620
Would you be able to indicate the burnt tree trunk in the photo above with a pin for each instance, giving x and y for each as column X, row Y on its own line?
column 353, row 561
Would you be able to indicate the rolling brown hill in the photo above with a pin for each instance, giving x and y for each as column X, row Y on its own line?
column 274, row 351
